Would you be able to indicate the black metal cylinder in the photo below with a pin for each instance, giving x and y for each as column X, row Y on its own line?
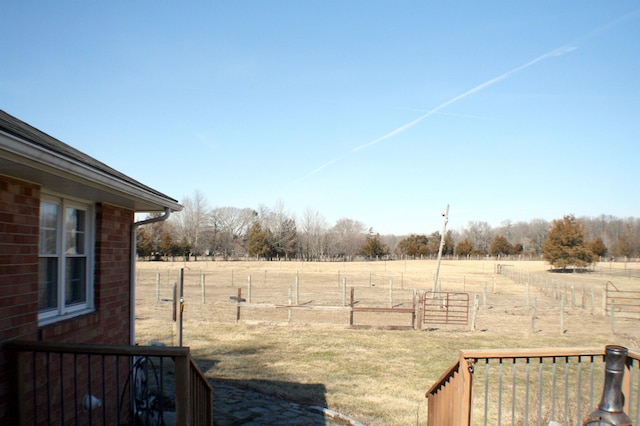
column 610, row 411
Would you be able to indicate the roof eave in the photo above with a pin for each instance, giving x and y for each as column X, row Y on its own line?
column 29, row 161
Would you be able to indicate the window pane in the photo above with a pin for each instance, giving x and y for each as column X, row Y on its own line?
column 75, row 286
column 74, row 229
column 48, row 285
column 48, row 224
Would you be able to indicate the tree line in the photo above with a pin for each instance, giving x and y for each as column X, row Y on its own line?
column 273, row 233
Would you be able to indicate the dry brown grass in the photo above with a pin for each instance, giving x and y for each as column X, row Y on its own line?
column 376, row 376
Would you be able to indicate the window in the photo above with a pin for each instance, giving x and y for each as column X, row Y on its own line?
column 65, row 260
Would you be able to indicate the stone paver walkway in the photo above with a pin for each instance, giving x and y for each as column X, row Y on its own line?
column 235, row 406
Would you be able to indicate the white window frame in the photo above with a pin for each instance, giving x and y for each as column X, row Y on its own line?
column 63, row 310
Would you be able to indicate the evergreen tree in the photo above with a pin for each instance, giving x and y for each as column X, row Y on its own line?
column 565, row 244
column 414, row 245
column 598, row 248
column 433, row 245
column 500, row 246
column 449, row 246
column 464, row 248
column 258, row 241
column 167, row 246
column 144, row 244
column 374, row 247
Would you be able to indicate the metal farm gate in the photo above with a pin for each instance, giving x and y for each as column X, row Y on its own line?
column 622, row 303
column 445, row 308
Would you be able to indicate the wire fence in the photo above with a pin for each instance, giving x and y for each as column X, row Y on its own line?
column 500, row 294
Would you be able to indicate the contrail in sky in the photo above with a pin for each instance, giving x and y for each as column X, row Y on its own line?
column 556, row 52
column 553, row 53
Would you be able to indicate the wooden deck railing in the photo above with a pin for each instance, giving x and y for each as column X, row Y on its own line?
column 528, row 387
column 106, row 384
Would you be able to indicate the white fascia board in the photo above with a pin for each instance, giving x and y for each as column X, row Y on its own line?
column 34, row 156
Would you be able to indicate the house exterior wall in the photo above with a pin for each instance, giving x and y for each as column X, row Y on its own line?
column 19, row 216
column 19, row 232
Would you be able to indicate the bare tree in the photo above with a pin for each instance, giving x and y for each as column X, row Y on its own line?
column 229, row 227
column 347, row 237
column 479, row 233
column 313, row 235
column 538, row 230
column 281, row 227
column 192, row 222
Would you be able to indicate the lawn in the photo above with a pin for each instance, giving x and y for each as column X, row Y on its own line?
column 375, row 375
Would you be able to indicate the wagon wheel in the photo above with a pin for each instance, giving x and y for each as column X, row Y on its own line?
column 146, row 405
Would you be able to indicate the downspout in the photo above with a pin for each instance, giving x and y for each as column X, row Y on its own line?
column 132, row 269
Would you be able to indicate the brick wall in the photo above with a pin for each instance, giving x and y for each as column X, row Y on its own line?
column 113, row 269
column 19, row 227
column 19, row 230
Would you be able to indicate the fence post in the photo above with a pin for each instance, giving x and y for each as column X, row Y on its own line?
column 202, row 279
column 238, row 304
column 352, row 303
column 613, row 316
column 415, row 313
column 484, row 295
column 546, row 286
column 344, row 292
column 562, row 314
column 180, row 306
column 289, row 308
column 473, row 313
column 534, row 312
column 158, row 286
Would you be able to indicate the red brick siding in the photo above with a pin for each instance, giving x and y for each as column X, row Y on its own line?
column 19, row 234
column 19, row 228
column 113, row 272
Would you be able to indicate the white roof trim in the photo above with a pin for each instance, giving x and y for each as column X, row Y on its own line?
column 30, row 155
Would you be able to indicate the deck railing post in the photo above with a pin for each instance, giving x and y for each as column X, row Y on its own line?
column 183, row 390
column 19, row 378
column 466, row 366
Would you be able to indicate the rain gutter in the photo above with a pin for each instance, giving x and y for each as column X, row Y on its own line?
column 132, row 278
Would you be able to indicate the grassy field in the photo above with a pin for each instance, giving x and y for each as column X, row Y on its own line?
column 375, row 375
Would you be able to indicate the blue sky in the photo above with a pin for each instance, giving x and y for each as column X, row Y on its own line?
column 378, row 111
